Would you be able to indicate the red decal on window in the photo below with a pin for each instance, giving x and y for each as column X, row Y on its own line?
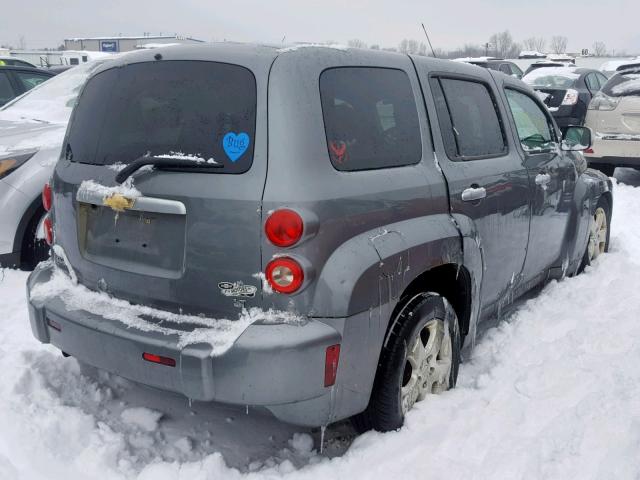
column 339, row 149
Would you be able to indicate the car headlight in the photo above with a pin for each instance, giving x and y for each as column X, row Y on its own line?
column 10, row 162
column 600, row 101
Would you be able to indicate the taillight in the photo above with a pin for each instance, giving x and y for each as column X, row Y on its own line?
column 159, row 359
column 588, row 150
column 46, row 197
column 48, row 230
column 284, row 274
column 284, row 227
column 571, row 97
column 331, row 359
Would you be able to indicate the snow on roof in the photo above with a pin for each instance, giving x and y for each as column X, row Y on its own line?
column 298, row 46
column 631, row 85
column 566, row 72
column 475, row 59
column 611, row 65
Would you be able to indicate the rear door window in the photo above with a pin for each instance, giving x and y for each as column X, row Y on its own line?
column 623, row 84
column 201, row 110
column 469, row 119
column 370, row 118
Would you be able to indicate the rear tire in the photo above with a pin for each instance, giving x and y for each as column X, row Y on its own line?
column 421, row 356
column 33, row 250
column 599, row 233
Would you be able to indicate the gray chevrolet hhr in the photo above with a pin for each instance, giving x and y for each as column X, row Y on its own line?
column 351, row 215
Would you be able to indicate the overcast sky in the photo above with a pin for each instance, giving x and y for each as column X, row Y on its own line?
column 386, row 22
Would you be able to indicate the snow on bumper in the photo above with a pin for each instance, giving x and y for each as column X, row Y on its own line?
column 279, row 366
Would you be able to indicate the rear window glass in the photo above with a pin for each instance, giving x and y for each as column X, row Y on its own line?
column 205, row 110
column 552, row 77
column 469, row 120
column 370, row 118
column 623, row 84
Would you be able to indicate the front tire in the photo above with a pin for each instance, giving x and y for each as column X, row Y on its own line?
column 421, row 356
column 599, row 233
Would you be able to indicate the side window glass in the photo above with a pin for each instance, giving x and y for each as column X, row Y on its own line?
column 515, row 70
column 469, row 119
column 370, row 118
column 6, row 90
column 30, row 80
column 592, row 82
column 504, row 68
column 532, row 124
column 601, row 80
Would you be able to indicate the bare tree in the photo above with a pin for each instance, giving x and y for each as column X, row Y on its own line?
column 410, row 46
column 599, row 49
column 536, row 44
column 356, row 43
column 503, row 44
column 22, row 43
column 559, row 44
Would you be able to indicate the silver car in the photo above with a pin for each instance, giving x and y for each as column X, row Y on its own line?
column 614, row 118
column 31, row 132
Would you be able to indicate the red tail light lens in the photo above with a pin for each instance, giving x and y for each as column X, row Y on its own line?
column 48, row 230
column 331, row 359
column 284, row 227
column 285, row 275
column 150, row 357
column 46, row 197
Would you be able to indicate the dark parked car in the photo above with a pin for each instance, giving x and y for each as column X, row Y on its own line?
column 324, row 257
column 566, row 91
column 499, row 64
column 14, row 81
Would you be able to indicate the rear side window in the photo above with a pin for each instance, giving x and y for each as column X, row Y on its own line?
column 623, row 84
column 370, row 118
column 469, row 119
column 205, row 110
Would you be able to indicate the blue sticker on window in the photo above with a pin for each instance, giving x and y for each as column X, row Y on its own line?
column 235, row 145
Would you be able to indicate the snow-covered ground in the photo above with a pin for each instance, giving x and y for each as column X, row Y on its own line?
column 552, row 391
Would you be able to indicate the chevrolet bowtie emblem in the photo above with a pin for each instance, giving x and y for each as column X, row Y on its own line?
column 118, row 203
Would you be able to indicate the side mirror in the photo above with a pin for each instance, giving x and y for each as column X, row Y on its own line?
column 576, row 139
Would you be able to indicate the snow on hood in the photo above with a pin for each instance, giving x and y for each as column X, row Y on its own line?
column 221, row 334
column 17, row 136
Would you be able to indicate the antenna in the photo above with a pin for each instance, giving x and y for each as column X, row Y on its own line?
column 428, row 40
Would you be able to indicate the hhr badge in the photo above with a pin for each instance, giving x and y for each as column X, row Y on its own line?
column 237, row 289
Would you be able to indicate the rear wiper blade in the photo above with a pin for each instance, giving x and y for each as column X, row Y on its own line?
column 140, row 162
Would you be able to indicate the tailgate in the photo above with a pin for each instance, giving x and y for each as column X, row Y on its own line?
column 185, row 238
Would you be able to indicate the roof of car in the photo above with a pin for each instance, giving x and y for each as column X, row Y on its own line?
column 214, row 52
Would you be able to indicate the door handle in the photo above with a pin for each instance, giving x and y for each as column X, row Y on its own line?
column 473, row 194
column 543, row 179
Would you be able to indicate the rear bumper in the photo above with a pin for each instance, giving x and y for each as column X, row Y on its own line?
column 614, row 151
column 280, row 367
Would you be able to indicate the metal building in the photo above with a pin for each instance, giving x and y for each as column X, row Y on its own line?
column 124, row 44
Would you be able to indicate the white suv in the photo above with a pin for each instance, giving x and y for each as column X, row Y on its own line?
column 32, row 129
column 614, row 118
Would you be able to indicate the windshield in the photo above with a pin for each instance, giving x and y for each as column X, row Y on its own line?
column 623, row 85
column 51, row 101
column 201, row 111
column 552, row 77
